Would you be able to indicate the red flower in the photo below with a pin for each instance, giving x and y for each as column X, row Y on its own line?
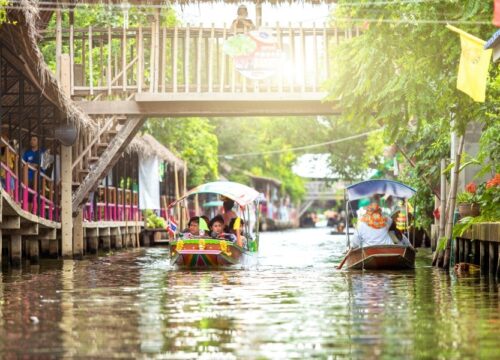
column 493, row 182
column 471, row 188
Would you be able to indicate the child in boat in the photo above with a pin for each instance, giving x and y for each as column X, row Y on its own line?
column 373, row 228
column 217, row 229
column 232, row 230
column 193, row 230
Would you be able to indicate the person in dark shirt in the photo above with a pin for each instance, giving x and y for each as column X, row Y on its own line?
column 32, row 156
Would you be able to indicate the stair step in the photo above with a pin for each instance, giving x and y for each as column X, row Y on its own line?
column 121, row 120
column 75, row 184
column 93, row 159
column 111, row 132
column 83, row 171
column 102, row 145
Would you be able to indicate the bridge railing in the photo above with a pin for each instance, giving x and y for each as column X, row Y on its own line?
column 120, row 62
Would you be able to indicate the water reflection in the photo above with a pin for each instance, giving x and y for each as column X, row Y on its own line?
column 294, row 304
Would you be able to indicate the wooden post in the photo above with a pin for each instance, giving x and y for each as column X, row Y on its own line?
column 91, row 70
column 174, row 59
column 66, row 176
column 315, row 62
column 124, row 59
column 325, row 44
column 211, row 59
column 54, row 249
column 460, row 250
column 93, row 244
column 1, row 243
column 492, row 254
column 58, row 44
column 34, row 250
column 78, row 236
column 15, row 252
column 223, row 63
column 291, row 34
column 498, row 261
column 66, row 215
column 186, row 59
column 163, row 59
column 72, row 58
column 140, row 60
column 483, row 260
column 108, row 72
column 106, row 243
column 44, row 247
column 198, row 59
column 157, row 51
column 303, row 60
column 152, row 57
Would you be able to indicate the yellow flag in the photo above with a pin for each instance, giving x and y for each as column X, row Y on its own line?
column 237, row 223
column 474, row 63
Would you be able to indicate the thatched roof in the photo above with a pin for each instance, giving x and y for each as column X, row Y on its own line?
column 149, row 146
column 21, row 36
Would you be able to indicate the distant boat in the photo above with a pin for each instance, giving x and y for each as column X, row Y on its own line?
column 379, row 257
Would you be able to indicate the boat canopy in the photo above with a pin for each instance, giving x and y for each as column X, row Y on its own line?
column 241, row 194
column 383, row 187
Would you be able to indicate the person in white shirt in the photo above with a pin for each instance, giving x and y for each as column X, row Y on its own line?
column 373, row 228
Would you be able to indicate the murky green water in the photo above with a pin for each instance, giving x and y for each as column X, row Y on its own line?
column 295, row 304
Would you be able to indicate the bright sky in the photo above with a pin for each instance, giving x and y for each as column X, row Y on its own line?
column 313, row 166
column 220, row 13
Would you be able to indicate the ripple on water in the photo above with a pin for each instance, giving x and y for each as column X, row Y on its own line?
column 293, row 304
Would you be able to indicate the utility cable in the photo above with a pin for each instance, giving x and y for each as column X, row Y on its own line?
column 336, row 141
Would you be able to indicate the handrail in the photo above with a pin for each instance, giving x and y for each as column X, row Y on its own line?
column 93, row 142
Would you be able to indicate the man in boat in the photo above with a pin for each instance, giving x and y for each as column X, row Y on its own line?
column 373, row 228
column 228, row 205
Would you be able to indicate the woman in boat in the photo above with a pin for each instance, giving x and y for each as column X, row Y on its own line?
column 228, row 205
column 373, row 228
column 193, row 230
column 217, row 229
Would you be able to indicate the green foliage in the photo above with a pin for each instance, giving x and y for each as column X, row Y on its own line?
column 401, row 73
column 193, row 140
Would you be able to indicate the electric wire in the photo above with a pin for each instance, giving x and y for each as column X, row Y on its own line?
column 311, row 146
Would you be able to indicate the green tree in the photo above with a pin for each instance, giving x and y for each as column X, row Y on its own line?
column 192, row 139
column 401, row 73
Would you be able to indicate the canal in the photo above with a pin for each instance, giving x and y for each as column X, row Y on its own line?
column 293, row 305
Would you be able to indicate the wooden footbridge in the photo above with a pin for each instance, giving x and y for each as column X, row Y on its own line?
column 184, row 71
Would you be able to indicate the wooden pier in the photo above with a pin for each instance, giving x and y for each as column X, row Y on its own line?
column 480, row 245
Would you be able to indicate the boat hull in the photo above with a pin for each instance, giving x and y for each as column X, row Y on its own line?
column 382, row 257
column 207, row 253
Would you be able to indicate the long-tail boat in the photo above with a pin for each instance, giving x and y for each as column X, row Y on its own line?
column 379, row 257
column 204, row 251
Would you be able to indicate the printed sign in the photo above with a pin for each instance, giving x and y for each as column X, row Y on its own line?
column 256, row 55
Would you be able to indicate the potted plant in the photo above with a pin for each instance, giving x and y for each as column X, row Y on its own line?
column 467, row 201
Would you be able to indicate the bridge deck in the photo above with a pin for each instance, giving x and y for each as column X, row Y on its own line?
column 214, row 104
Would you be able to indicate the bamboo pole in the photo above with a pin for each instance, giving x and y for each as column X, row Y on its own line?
column 452, row 201
column 291, row 34
column 280, row 42
column 177, row 194
column 442, row 207
column 156, row 83
column 325, row 45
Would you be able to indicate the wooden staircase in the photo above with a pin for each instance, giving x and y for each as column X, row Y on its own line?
column 96, row 154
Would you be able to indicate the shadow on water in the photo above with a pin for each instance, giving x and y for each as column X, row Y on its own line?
column 293, row 304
